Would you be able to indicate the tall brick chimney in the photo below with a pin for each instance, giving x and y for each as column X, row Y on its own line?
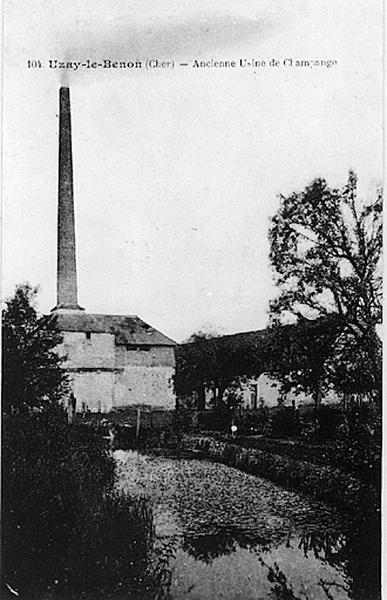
column 67, row 292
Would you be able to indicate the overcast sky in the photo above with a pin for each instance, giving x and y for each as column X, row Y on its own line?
column 177, row 171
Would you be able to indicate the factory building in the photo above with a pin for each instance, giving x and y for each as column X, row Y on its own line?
column 113, row 361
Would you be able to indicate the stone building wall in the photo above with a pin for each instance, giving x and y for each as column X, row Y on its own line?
column 95, row 351
column 265, row 391
column 144, row 376
column 145, row 385
column 106, row 376
column 93, row 390
column 145, row 356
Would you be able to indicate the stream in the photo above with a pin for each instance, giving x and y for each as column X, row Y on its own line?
column 228, row 535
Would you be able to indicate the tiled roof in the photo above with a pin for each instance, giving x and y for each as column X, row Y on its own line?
column 128, row 329
column 257, row 337
column 242, row 338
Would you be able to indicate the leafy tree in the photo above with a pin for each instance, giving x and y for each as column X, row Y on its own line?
column 31, row 373
column 219, row 363
column 326, row 247
column 297, row 355
column 201, row 363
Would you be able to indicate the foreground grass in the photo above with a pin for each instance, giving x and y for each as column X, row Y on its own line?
column 66, row 533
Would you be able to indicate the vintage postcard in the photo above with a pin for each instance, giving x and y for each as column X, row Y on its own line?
column 192, row 300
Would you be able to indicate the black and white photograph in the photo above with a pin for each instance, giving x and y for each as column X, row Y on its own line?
column 192, row 283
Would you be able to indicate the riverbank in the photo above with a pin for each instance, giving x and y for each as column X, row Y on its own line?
column 325, row 483
column 66, row 532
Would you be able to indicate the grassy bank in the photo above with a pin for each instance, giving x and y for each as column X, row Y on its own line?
column 326, row 483
column 65, row 532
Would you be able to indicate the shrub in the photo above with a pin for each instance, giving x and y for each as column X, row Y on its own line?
column 254, row 422
column 329, row 484
column 358, row 444
column 209, row 420
column 283, row 422
column 219, row 419
column 329, row 418
column 185, row 418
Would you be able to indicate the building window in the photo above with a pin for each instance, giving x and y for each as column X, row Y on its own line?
column 138, row 348
column 88, row 335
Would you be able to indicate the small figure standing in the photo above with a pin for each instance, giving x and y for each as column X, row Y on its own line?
column 234, row 430
column 71, row 408
column 111, row 435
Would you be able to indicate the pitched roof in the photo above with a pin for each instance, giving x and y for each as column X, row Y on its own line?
column 128, row 329
column 257, row 337
column 242, row 338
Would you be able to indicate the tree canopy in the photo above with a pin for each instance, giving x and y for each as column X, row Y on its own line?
column 326, row 247
column 31, row 373
column 218, row 361
column 298, row 354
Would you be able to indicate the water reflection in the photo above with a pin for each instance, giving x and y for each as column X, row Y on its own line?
column 329, row 546
column 224, row 534
column 207, row 546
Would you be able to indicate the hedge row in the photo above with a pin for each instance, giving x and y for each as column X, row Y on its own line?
column 323, row 482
